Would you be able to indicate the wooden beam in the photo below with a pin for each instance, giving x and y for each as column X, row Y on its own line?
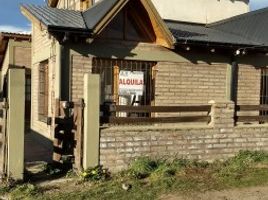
column 252, row 108
column 133, row 120
column 164, row 36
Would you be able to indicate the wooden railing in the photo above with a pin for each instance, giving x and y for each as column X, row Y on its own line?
column 145, row 114
column 251, row 113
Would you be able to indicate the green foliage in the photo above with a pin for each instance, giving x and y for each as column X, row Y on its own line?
column 25, row 191
column 143, row 167
column 97, row 173
column 238, row 165
column 151, row 178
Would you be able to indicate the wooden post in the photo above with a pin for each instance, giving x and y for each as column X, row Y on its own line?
column 15, row 125
column 78, row 114
column 4, row 108
column 56, row 143
column 91, row 120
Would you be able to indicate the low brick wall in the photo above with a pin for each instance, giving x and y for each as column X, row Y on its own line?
column 218, row 140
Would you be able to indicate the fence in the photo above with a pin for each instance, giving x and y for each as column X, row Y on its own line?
column 3, row 136
column 68, row 130
column 251, row 113
column 146, row 114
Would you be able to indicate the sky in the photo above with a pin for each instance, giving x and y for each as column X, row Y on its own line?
column 12, row 20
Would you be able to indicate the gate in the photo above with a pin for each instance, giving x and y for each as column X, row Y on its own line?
column 3, row 137
column 68, row 132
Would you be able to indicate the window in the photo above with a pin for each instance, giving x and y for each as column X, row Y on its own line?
column 43, row 91
column 131, row 25
column 264, row 90
column 125, row 82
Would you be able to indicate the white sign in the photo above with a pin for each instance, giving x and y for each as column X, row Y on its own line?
column 131, row 83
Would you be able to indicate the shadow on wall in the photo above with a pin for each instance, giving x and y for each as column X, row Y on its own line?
column 102, row 49
column 37, row 148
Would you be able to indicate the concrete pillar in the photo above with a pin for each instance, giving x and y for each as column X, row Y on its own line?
column 91, row 120
column 231, row 81
column 15, row 123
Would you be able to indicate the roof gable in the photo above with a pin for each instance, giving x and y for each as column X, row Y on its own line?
column 95, row 19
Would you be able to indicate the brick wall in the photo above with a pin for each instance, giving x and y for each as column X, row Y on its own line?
column 188, row 83
column 249, row 82
column 80, row 65
column 219, row 140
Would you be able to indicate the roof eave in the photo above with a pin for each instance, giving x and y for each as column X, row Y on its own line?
column 218, row 44
column 81, row 31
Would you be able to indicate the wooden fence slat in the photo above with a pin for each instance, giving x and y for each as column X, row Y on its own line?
column 78, row 134
column 131, row 120
column 159, row 109
column 4, row 139
column 251, row 118
column 252, row 108
column 56, row 143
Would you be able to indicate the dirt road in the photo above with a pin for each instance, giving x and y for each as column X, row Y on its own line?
column 254, row 193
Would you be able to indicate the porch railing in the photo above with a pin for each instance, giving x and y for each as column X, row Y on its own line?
column 251, row 113
column 117, row 114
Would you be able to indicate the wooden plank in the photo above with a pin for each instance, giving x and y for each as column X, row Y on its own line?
column 4, row 143
column 162, row 109
column 78, row 115
column 252, row 108
column 251, row 118
column 56, row 143
column 133, row 120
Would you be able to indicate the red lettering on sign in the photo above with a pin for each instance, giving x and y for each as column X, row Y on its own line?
column 130, row 82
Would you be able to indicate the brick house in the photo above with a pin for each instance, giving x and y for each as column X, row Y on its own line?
column 179, row 63
column 15, row 51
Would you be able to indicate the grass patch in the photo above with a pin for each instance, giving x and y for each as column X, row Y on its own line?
column 150, row 178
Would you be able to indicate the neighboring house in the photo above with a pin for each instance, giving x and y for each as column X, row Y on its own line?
column 15, row 52
column 198, row 11
column 181, row 63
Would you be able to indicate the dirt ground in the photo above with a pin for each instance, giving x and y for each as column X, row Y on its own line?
column 254, row 193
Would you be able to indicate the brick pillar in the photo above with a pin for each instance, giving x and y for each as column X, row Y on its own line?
column 222, row 114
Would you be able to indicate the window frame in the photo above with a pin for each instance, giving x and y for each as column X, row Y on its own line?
column 114, row 66
column 43, row 90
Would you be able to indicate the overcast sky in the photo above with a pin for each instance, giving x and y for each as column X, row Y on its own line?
column 12, row 20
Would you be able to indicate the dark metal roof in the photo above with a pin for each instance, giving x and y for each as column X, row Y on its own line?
column 57, row 18
column 199, row 33
column 252, row 25
column 250, row 29
column 93, row 15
